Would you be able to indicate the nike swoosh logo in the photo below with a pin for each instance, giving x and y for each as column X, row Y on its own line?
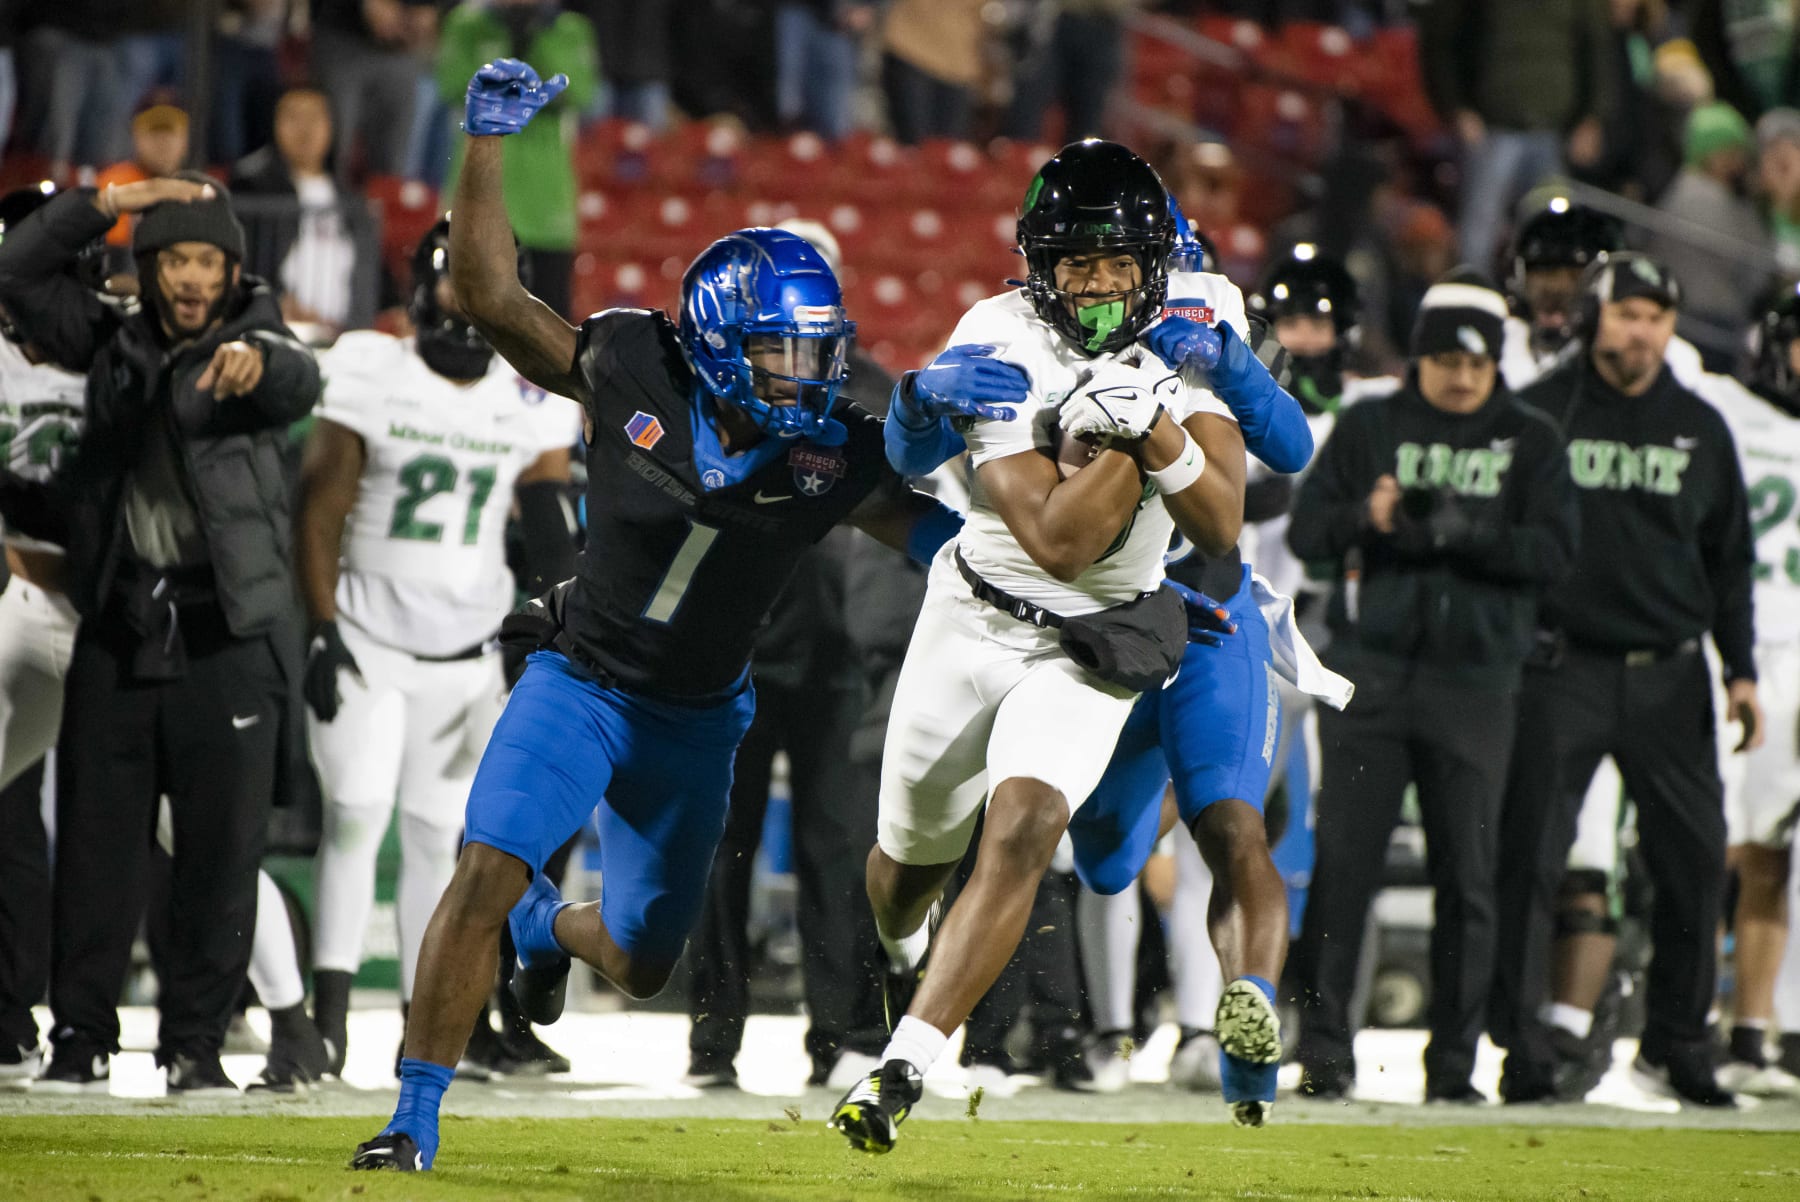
column 761, row 499
column 1686, row 444
column 246, row 721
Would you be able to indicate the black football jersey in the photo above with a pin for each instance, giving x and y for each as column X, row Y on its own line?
column 675, row 579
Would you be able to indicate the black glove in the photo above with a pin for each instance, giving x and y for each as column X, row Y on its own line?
column 326, row 655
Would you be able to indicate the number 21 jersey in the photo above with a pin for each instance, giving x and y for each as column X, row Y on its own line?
column 424, row 550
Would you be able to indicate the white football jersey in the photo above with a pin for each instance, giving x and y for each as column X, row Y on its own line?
column 1768, row 447
column 424, row 549
column 1057, row 370
column 42, row 411
column 1520, row 366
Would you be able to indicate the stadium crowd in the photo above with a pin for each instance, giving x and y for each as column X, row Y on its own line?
column 255, row 576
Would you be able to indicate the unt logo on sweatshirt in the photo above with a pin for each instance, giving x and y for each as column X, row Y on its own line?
column 1467, row 471
column 1600, row 463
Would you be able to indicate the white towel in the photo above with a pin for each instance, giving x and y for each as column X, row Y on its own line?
column 1295, row 660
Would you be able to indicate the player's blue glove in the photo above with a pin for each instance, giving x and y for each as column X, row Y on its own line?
column 1179, row 341
column 505, row 95
column 1208, row 621
column 966, row 381
column 1273, row 424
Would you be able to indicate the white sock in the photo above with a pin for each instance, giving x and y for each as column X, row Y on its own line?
column 1107, row 927
column 907, row 951
column 274, row 961
column 1573, row 1019
column 1194, row 965
column 917, row 1042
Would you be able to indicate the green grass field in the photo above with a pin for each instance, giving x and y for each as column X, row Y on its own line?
column 279, row 1158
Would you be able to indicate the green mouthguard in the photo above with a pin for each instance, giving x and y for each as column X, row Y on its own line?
column 1102, row 319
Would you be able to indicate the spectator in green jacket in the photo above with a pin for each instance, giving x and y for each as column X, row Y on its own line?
column 539, row 164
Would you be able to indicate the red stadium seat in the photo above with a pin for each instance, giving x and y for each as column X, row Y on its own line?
column 406, row 210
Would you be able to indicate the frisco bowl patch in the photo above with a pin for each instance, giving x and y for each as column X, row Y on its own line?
column 815, row 470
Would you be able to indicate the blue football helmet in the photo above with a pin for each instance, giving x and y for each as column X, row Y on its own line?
column 763, row 327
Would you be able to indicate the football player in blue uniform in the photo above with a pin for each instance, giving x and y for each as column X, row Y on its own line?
column 717, row 450
column 1213, row 729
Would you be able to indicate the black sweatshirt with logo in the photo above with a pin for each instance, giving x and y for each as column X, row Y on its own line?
column 1486, row 522
column 1666, row 552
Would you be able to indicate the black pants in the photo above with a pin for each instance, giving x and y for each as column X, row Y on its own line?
column 1656, row 721
column 840, row 955
column 209, row 742
column 1453, row 742
column 24, row 908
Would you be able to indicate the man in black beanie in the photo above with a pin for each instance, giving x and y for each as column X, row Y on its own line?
column 174, row 513
column 1666, row 558
column 1444, row 511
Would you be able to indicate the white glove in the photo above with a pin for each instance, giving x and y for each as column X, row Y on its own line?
column 1120, row 401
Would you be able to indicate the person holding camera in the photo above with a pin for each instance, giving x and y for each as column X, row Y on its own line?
column 1666, row 557
column 1444, row 510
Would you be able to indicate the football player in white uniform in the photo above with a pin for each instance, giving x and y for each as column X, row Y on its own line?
column 1076, row 499
column 422, row 447
column 41, row 408
column 1762, row 795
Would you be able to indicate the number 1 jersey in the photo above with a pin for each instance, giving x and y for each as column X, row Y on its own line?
column 424, row 549
column 682, row 565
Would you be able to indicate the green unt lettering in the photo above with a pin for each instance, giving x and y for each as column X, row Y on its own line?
column 1468, row 471
column 1597, row 463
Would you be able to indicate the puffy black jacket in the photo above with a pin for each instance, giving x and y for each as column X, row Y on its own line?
column 230, row 449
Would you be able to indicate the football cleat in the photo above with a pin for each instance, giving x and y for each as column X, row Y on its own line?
column 1249, row 1033
column 540, row 990
column 899, row 981
column 19, row 1064
column 871, row 1113
column 1195, row 1064
column 74, row 1070
column 200, row 1076
column 390, row 1150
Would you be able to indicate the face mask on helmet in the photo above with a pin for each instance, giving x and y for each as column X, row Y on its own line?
column 1772, row 372
column 1317, row 287
column 762, row 325
column 450, row 345
column 1094, row 198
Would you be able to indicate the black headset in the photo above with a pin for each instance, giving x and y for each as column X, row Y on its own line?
column 1597, row 289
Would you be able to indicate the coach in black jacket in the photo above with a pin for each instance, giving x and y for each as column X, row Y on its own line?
column 1666, row 557
column 174, row 514
column 1445, row 510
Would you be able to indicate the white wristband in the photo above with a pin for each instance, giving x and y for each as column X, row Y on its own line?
column 1187, row 468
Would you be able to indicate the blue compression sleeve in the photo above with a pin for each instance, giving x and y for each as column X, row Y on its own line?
column 1274, row 425
column 917, row 445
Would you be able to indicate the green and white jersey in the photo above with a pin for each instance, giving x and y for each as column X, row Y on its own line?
column 1058, row 370
column 424, row 549
column 1768, row 447
column 42, row 411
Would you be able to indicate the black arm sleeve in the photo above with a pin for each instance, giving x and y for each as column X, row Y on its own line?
column 1730, row 556
column 63, row 319
column 1331, row 510
column 548, row 527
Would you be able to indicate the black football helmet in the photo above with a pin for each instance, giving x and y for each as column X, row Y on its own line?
column 1309, row 283
column 448, row 343
column 1771, row 365
column 1094, row 195
column 1561, row 234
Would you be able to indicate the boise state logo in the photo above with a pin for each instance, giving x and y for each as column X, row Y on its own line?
column 816, row 470
column 644, row 430
column 712, row 478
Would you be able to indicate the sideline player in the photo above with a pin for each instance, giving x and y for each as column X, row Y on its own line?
column 1762, row 794
column 717, row 451
column 1097, row 234
column 421, row 447
column 41, row 410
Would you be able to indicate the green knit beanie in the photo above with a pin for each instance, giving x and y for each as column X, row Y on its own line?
column 1715, row 127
